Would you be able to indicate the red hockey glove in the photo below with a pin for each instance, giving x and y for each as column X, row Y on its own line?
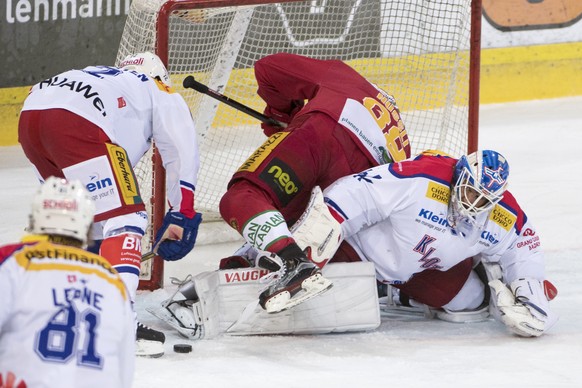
column 284, row 117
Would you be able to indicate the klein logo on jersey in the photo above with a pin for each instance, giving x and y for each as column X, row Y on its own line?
column 438, row 192
column 429, row 215
column 243, row 276
column 98, row 184
column 502, row 217
column 487, row 236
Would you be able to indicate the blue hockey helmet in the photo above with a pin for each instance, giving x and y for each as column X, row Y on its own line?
column 479, row 181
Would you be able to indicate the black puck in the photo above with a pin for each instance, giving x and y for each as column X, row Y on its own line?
column 182, row 348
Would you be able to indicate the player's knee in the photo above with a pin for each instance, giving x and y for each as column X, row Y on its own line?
column 128, row 223
column 471, row 295
column 241, row 201
column 122, row 242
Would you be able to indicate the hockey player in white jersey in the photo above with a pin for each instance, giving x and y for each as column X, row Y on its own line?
column 428, row 225
column 425, row 223
column 94, row 125
column 66, row 318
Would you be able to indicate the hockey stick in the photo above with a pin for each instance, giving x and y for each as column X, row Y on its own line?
column 190, row 83
column 147, row 256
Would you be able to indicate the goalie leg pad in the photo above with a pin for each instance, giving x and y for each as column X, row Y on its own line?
column 228, row 304
column 351, row 305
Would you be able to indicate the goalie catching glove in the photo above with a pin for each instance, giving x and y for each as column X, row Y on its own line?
column 177, row 236
column 524, row 307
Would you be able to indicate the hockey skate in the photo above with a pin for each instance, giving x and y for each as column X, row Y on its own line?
column 149, row 342
column 297, row 279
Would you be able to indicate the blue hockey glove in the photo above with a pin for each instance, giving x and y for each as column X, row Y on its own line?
column 177, row 236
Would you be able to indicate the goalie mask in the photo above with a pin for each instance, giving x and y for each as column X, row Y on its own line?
column 64, row 208
column 148, row 63
column 479, row 181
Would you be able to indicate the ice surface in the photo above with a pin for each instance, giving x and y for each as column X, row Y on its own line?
column 542, row 141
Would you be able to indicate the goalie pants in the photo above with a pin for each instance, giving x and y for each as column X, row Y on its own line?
column 434, row 288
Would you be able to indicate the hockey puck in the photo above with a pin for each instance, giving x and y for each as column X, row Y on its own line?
column 182, row 348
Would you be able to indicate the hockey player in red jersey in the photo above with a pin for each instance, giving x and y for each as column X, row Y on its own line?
column 338, row 124
column 66, row 318
column 94, row 125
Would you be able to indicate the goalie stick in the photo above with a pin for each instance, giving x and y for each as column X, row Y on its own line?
column 190, row 83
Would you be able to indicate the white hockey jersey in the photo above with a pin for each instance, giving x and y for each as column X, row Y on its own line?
column 65, row 318
column 395, row 216
column 132, row 109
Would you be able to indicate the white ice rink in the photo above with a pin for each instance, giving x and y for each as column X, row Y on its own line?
column 542, row 141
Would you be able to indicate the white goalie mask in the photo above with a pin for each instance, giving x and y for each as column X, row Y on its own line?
column 479, row 181
column 64, row 208
column 148, row 63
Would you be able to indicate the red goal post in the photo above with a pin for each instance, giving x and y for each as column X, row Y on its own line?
column 425, row 53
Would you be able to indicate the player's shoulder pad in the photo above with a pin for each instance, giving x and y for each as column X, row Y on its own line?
column 508, row 214
column 8, row 250
column 434, row 166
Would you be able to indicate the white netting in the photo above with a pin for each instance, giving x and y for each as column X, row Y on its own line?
column 417, row 50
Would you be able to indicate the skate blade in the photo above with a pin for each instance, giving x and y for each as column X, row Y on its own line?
column 311, row 287
column 151, row 349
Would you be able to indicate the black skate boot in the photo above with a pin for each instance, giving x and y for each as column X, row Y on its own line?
column 297, row 280
column 149, row 342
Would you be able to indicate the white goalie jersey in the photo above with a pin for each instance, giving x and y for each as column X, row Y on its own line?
column 399, row 223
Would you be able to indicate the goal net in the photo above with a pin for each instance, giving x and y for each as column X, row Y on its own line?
column 424, row 53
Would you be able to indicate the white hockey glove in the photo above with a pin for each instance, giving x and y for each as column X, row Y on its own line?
column 523, row 307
